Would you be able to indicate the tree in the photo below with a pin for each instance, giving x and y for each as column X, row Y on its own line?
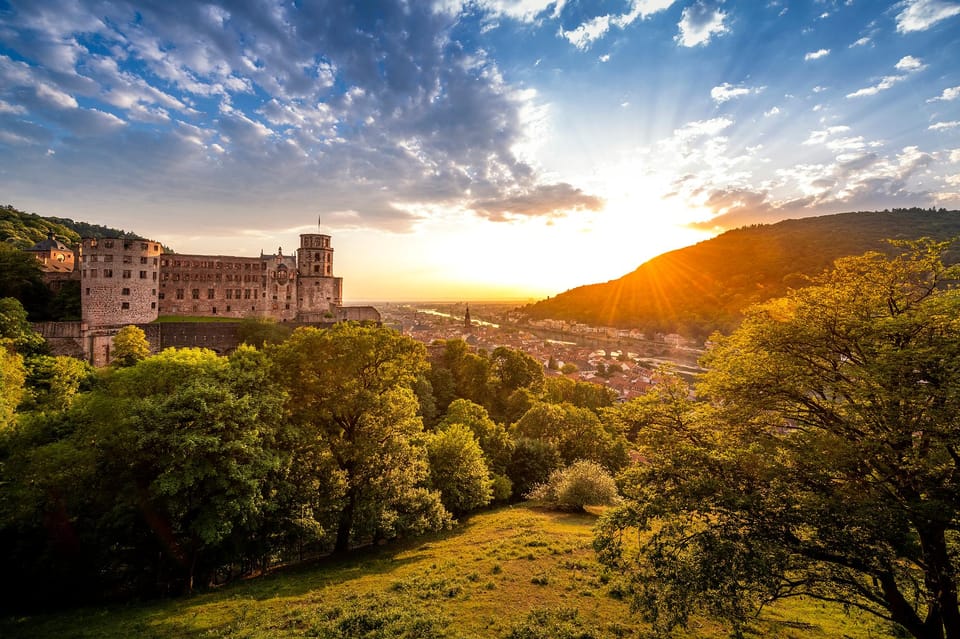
column 130, row 345
column 531, row 463
column 824, row 462
column 495, row 442
column 53, row 382
column 21, row 278
column 258, row 332
column 12, row 376
column 15, row 327
column 458, row 471
column 583, row 483
column 576, row 432
column 350, row 397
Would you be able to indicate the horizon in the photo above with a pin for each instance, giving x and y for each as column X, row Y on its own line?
column 498, row 149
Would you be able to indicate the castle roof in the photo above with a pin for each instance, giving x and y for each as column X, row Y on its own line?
column 49, row 244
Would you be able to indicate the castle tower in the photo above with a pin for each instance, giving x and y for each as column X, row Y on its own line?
column 118, row 281
column 319, row 293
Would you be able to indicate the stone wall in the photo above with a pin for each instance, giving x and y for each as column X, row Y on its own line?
column 119, row 281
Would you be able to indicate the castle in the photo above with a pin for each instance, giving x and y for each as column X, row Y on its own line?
column 132, row 281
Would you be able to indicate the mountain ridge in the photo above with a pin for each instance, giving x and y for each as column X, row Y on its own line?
column 705, row 287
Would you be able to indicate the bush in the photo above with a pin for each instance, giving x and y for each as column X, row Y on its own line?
column 584, row 483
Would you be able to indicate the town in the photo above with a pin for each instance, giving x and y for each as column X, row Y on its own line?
column 622, row 360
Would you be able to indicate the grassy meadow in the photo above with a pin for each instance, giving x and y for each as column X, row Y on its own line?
column 516, row 572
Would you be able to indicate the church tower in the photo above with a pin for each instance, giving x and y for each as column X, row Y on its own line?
column 466, row 320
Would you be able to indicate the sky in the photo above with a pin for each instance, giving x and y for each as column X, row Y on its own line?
column 474, row 149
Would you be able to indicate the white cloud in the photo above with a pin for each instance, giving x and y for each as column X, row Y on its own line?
column 823, row 135
column 941, row 126
column 772, row 112
column 6, row 107
column 819, row 89
column 604, row 58
column 56, row 96
column 702, row 128
column 816, row 55
column 955, row 155
column 699, row 23
column 908, row 64
column 948, row 94
column 727, row 91
column 596, row 28
column 920, row 15
column 861, row 42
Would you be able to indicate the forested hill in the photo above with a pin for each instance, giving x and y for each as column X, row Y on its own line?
column 23, row 230
column 701, row 288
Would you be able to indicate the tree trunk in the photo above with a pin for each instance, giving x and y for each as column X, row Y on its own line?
column 941, row 583
column 345, row 525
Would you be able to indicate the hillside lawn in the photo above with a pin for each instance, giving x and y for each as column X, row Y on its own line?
column 519, row 572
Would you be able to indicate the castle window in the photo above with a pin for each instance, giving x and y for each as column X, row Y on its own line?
column 195, row 293
column 88, row 291
column 125, row 291
column 128, row 259
column 127, row 246
column 143, row 275
column 164, row 262
column 176, row 277
column 228, row 308
column 209, row 293
column 108, row 272
column 143, row 246
column 93, row 258
column 107, row 258
column 107, row 244
column 93, row 242
column 161, row 296
column 126, row 275
column 155, row 261
column 176, row 263
column 218, row 277
column 316, row 268
column 179, row 293
column 154, row 276
column 143, row 260
column 246, row 293
column 229, row 293
column 93, row 272
column 236, row 293
column 125, row 306
column 153, row 305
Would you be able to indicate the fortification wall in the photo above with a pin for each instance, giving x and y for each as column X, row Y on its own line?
column 119, row 279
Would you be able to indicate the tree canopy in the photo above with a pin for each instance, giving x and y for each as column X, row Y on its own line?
column 823, row 462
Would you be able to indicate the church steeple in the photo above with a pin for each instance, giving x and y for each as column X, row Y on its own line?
column 466, row 318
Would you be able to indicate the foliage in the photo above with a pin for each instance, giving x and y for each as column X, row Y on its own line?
column 54, row 382
column 15, row 328
column 558, row 390
column 493, row 438
column 576, row 432
column 531, row 463
column 458, row 470
column 259, row 332
column 569, row 367
column 21, row 278
column 130, row 345
column 824, row 463
column 663, row 407
column 702, row 288
column 583, row 483
column 12, row 377
column 356, row 415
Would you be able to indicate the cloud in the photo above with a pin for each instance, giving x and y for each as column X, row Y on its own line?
column 908, row 64
column 727, row 91
column 539, row 201
column 700, row 22
column 920, row 15
column 585, row 34
column 948, row 94
column 861, row 42
column 258, row 105
column 816, row 55
column 772, row 112
column 942, row 126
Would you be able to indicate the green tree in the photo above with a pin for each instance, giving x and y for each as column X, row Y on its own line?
column 260, row 331
column 558, row 390
column 15, row 327
column 130, row 345
column 576, row 432
column 493, row 438
column 12, row 376
column 53, row 382
column 531, row 463
column 458, row 470
column 583, row 483
column 21, row 278
column 824, row 463
column 350, row 397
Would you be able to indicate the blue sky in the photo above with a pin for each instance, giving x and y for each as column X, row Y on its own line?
column 489, row 148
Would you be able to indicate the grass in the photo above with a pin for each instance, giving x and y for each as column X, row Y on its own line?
column 516, row 572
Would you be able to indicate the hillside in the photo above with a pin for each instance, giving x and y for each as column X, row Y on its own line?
column 517, row 572
column 701, row 288
column 23, row 230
